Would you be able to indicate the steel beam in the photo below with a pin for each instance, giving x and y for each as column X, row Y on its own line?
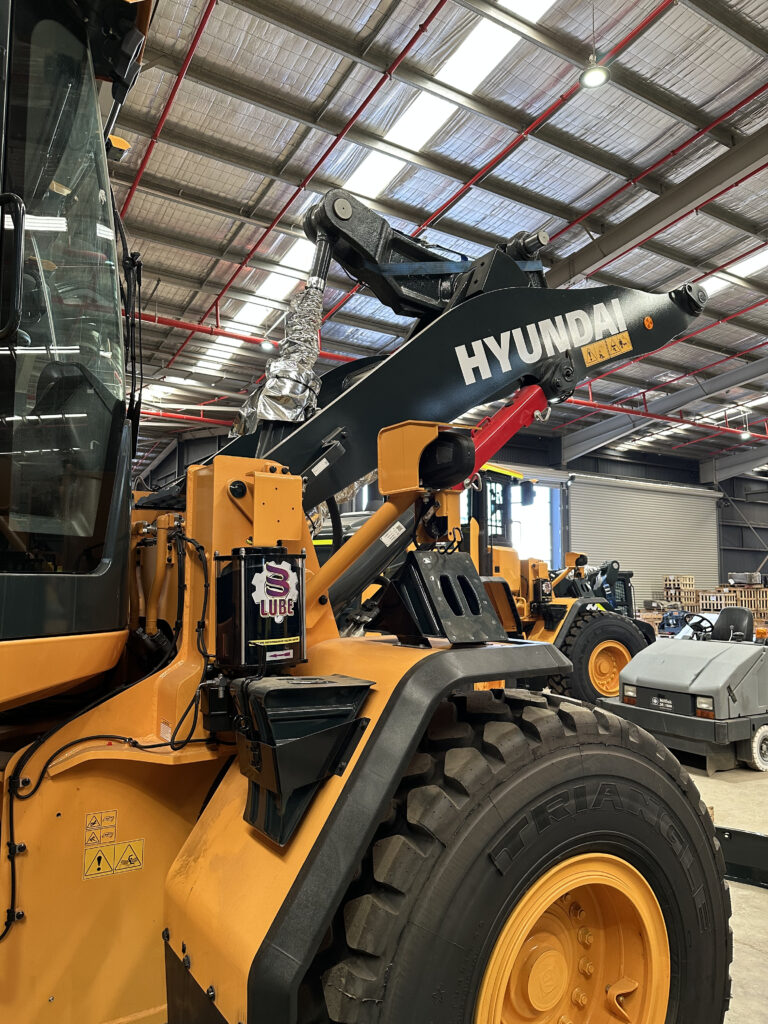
column 745, row 158
column 726, row 466
column 598, row 435
column 750, row 33
column 572, row 51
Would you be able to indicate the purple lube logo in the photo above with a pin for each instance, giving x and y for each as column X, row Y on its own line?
column 275, row 590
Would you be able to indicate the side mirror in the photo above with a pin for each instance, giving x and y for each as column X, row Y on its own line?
column 527, row 492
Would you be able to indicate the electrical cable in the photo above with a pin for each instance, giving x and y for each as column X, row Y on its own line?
column 13, row 914
column 337, row 528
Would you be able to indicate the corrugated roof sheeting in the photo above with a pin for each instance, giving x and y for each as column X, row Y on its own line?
column 555, row 175
column 693, row 58
column 682, row 53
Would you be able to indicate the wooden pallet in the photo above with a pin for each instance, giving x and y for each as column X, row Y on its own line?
column 716, row 600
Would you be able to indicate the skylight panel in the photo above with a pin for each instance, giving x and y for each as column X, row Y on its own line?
column 531, row 10
column 253, row 314
column 374, row 174
column 751, row 264
column 276, row 286
column 486, row 45
column 300, row 255
column 715, row 284
column 422, row 119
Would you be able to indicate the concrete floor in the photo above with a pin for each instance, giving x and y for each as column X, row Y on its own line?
column 739, row 798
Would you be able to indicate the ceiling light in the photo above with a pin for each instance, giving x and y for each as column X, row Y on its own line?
column 374, row 174
column 594, row 74
column 745, row 435
column 267, row 345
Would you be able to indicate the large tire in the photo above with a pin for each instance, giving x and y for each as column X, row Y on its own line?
column 503, row 789
column 599, row 644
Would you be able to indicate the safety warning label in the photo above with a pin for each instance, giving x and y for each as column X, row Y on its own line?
column 100, row 827
column 113, row 859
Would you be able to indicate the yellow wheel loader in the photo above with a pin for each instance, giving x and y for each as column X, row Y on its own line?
column 216, row 809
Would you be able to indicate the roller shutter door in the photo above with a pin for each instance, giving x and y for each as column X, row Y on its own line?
column 652, row 529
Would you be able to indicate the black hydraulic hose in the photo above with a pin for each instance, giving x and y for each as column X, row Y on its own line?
column 337, row 528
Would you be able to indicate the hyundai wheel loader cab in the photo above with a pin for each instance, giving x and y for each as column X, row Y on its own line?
column 577, row 611
column 269, row 822
column 707, row 695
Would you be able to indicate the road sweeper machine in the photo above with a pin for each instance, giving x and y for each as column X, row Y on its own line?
column 216, row 809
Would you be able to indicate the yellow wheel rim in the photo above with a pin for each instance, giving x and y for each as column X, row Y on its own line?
column 605, row 663
column 587, row 944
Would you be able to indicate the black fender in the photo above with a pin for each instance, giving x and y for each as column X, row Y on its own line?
column 294, row 939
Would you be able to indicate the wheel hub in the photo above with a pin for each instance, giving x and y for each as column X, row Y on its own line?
column 545, row 978
column 586, row 944
column 605, row 663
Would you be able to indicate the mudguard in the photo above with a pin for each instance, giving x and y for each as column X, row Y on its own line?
column 215, row 863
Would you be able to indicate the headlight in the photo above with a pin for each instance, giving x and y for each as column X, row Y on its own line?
column 705, row 707
column 629, row 694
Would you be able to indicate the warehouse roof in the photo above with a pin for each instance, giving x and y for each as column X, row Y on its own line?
column 657, row 177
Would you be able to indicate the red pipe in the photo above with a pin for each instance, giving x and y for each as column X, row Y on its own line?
column 731, row 261
column 676, row 220
column 385, row 77
column 662, row 160
column 608, row 407
column 187, row 419
column 682, row 338
column 187, row 325
column 168, row 104
column 536, row 123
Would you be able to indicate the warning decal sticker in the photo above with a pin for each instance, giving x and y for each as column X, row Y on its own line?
column 103, row 855
column 599, row 351
column 113, row 859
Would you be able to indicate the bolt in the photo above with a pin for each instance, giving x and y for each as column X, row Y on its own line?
column 585, row 937
column 18, row 915
column 186, row 962
column 273, row 469
column 21, row 847
column 322, row 599
column 211, row 992
column 23, row 783
column 50, row 999
column 620, row 1000
column 586, row 967
column 566, row 897
column 165, row 935
column 579, row 997
column 183, row 947
column 342, row 208
column 577, row 912
column 285, row 469
column 238, row 489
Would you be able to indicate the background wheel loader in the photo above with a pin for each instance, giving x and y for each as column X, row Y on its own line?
column 215, row 808
column 589, row 616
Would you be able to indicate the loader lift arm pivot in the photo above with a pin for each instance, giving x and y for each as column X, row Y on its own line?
column 482, row 333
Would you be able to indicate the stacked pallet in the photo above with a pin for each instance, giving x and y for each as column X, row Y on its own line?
column 681, row 589
column 716, row 600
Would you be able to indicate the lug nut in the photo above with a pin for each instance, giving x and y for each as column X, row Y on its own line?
column 585, row 937
column 577, row 912
column 586, row 967
column 566, row 897
column 579, row 997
